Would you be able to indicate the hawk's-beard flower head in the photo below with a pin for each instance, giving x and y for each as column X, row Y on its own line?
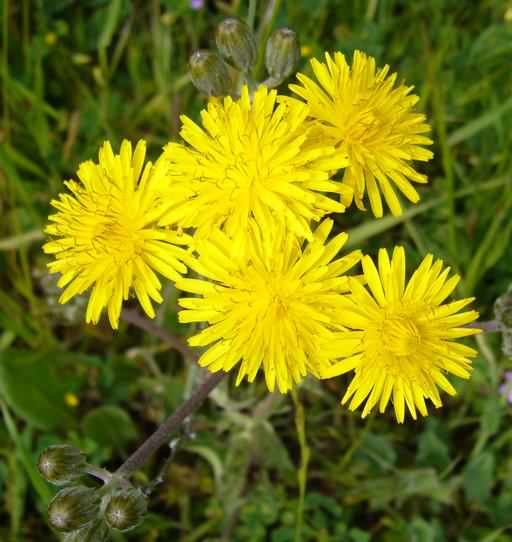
column 403, row 338
column 361, row 111
column 252, row 160
column 270, row 306
column 106, row 237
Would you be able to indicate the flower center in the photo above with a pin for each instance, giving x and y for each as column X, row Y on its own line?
column 400, row 336
column 118, row 240
column 278, row 295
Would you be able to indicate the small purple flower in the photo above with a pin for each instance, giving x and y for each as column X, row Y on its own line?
column 196, row 4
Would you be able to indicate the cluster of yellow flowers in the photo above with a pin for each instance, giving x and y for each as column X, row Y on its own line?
column 252, row 187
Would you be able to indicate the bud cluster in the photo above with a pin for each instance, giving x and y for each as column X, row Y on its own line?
column 219, row 73
column 87, row 514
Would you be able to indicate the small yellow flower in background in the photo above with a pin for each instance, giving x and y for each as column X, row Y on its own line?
column 402, row 338
column 359, row 109
column 252, row 160
column 306, row 50
column 71, row 400
column 50, row 38
column 106, row 236
column 270, row 305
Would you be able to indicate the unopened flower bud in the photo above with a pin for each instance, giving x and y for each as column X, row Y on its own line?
column 282, row 54
column 73, row 508
column 97, row 532
column 503, row 311
column 209, row 73
column 61, row 464
column 235, row 41
column 125, row 509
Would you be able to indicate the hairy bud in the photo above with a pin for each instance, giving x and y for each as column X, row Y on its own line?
column 503, row 311
column 209, row 73
column 125, row 509
column 282, row 54
column 236, row 42
column 73, row 508
column 61, row 464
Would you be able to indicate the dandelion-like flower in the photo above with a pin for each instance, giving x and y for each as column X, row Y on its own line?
column 271, row 305
column 402, row 338
column 359, row 109
column 252, row 160
column 106, row 235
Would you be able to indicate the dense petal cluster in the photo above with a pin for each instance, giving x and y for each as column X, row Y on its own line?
column 272, row 305
column 252, row 160
column 359, row 109
column 106, row 235
column 402, row 338
column 253, row 185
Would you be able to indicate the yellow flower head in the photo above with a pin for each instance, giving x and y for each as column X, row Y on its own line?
column 402, row 338
column 106, row 235
column 359, row 109
column 251, row 161
column 269, row 305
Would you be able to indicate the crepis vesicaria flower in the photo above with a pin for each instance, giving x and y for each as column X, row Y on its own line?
column 252, row 160
column 403, row 337
column 105, row 233
column 359, row 109
column 270, row 305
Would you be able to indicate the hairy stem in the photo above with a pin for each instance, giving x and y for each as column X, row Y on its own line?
column 171, row 424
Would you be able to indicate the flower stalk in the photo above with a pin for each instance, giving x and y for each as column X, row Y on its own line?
column 169, row 426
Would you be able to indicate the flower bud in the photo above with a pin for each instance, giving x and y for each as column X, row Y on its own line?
column 503, row 311
column 282, row 54
column 61, row 464
column 73, row 508
column 209, row 73
column 235, row 41
column 506, row 343
column 97, row 532
column 125, row 509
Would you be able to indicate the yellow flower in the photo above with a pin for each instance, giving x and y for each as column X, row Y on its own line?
column 358, row 109
column 270, row 305
column 251, row 160
column 106, row 234
column 306, row 50
column 71, row 399
column 402, row 338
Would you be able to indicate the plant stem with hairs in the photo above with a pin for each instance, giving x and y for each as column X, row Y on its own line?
column 169, row 426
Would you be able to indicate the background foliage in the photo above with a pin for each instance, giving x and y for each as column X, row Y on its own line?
column 299, row 467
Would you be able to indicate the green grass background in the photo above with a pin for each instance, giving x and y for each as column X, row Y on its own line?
column 294, row 468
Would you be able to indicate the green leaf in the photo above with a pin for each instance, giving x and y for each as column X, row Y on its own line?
column 476, row 125
column 356, row 535
column 31, row 386
column 425, row 531
column 378, row 450
column 492, row 415
column 111, row 22
column 236, row 467
column 25, row 456
column 268, row 448
column 109, row 426
column 479, row 477
column 432, row 449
